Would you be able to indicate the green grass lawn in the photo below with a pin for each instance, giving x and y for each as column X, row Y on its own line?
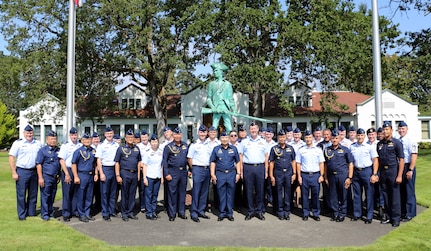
column 35, row 234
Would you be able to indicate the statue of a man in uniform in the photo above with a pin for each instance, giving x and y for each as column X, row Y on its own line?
column 220, row 97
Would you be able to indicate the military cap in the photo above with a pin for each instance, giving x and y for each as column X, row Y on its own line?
column 297, row 130
column 253, row 123
column 241, row 128
column 137, row 135
column 51, row 133
column 219, row 66
column 341, row 128
column 270, row 130
column 108, row 129
column 130, row 132
column 95, row 134
column 86, row 135
column 307, row 133
column 177, row 130
column 352, row 129
column 379, row 129
column 318, row 128
column 212, row 128
column 335, row 133
column 73, row 130
column 167, row 128
column 289, row 129
column 202, row 128
column 116, row 136
column 281, row 132
column 262, row 129
column 371, row 130
column 360, row 131
column 223, row 133
column 143, row 132
column 402, row 124
column 28, row 128
column 154, row 137
column 387, row 124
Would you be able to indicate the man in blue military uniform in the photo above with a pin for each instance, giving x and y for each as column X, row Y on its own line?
column 364, row 176
column 175, row 173
column 105, row 155
column 144, row 146
column 48, row 171
column 225, row 172
column 282, row 172
column 68, row 186
column 310, row 170
column 391, row 166
column 22, row 162
column 83, row 165
column 253, row 152
column 338, row 176
column 198, row 158
column 408, row 195
column 127, row 170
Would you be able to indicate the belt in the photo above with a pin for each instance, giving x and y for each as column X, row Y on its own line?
column 225, row 171
column 179, row 168
column 310, row 173
column 84, row 172
column 205, row 167
column 51, row 175
column 27, row 169
column 335, row 173
column 258, row 164
column 108, row 166
column 385, row 167
column 361, row 168
column 130, row 170
column 282, row 169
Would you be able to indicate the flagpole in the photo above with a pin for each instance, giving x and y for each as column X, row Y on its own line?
column 70, row 92
column 377, row 66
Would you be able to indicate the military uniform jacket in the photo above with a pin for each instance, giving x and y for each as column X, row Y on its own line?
column 84, row 158
column 174, row 156
column 282, row 157
column 128, row 157
column 48, row 158
column 389, row 152
column 337, row 160
column 225, row 158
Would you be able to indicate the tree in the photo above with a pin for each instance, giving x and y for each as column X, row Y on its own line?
column 11, row 93
column 7, row 126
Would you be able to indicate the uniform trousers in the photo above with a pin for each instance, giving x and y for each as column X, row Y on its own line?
column 26, row 192
column 142, row 193
column 47, row 196
column 361, row 182
column 283, row 184
column 226, row 192
column 85, row 193
column 408, row 194
column 254, row 181
column 128, row 191
column 391, row 193
column 177, row 192
column 310, row 182
column 108, row 190
column 70, row 200
column 201, row 181
column 337, row 193
column 151, row 194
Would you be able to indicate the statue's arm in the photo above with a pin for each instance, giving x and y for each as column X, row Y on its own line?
column 210, row 94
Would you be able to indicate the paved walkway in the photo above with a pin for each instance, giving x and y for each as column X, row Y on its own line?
column 254, row 233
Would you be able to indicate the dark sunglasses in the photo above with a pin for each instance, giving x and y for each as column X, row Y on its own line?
column 234, row 135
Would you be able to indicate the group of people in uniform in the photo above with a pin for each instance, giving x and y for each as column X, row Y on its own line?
column 366, row 169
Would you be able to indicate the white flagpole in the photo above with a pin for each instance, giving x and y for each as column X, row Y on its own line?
column 70, row 97
column 377, row 66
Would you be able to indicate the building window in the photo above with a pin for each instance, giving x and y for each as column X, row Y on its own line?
column 101, row 132
column 138, row 103
column 314, row 126
column 124, row 104
column 47, row 129
column 60, row 135
column 155, row 129
column 302, row 126
column 131, row 103
column 190, row 133
column 144, row 127
column 36, row 132
column 127, row 127
column 116, row 129
column 425, row 128
column 285, row 125
column 298, row 101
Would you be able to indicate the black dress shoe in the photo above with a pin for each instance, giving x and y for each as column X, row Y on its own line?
column 385, row 222
column 66, row 219
column 182, row 216
column 114, row 215
column 220, row 218
column 305, row 218
column 287, row 217
column 248, row 217
column 334, row 218
column 316, row 218
column 107, row 218
column 125, row 219
column 354, row 218
column 230, row 218
column 204, row 216
column 84, row 219
column 195, row 219
column 156, row 216
column 133, row 217
column 396, row 224
column 260, row 216
column 340, row 219
column 171, row 218
column 368, row 221
column 90, row 218
column 151, row 217
column 143, row 210
column 280, row 217
column 407, row 219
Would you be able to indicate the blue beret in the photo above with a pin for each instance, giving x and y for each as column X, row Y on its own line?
column 318, row 128
column 270, row 129
column 86, row 136
column 137, row 135
column 387, row 124
column 307, row 133
column 371, row 130
column 28, row 128
column 143, row 132
column 167, row 128
column 335, row 133
column 341, row 128
column 223, row 133
column 219, row 66
column 297, row 130
column 352, row 129
column 154, row 137
column 95, row 134
column 73, row 130
column 51, row 133
column 202, row 128
column 241, row 128
column 177, row 130
column 289, row 129
column 108, row 129
column 360, row 131
column 281, row 132
column 379, row 129
column 402, row 124
column 130, row 132
column 212, row 128
column 116, row 136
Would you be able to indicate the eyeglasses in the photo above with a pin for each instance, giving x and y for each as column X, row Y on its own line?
column 234, row 135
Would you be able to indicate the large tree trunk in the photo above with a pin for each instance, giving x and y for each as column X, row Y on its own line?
column 257, row 103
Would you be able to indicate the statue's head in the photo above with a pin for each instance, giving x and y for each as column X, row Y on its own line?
column 218, row 69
